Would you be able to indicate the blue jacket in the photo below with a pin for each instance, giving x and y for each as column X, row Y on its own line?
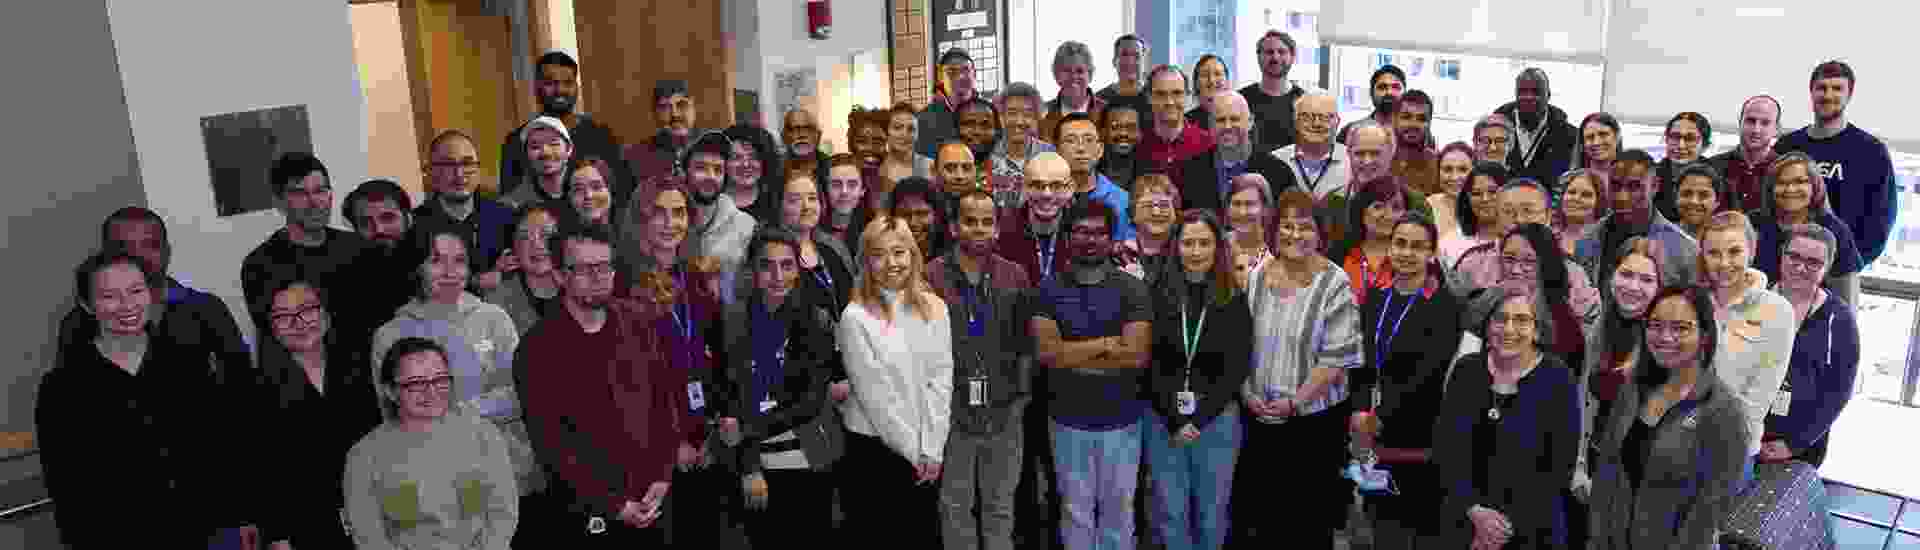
column 1858, row 162
column 1826, row 357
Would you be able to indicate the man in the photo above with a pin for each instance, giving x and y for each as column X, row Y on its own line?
column 979, row 124
column 549, row 151
column 1129, row 57
column 1826, row 352
column 1314, row 163
column 1072, row 70
column 557, row 89
column 1543, row 141
column 1414, row 161
column 954, row 171
column 1031, row 235
column 1386, row 85
column 800, row 132
column 1080, row 143
column 982, row 291
column 676, row 113
column 1491, row 139
column 1120, row 128
column 1853, row 162
column 306, row 247
column 1091, row 329
column 1370, row 151
column 606, row 408
column 717, row 227
column 1632, row 185
column 452, row 162
column 1208, row 175
column 382, row 213
column 1272, row 99
column 1019, row 119
column 1172, row 139
column 1746, row 165
column 937, row 120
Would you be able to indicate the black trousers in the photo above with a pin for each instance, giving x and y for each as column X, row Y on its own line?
column 881, row 499
column 799, row 509
column 696, row 508
column 1293, row 467
column 544, row 517
column 1036, row 510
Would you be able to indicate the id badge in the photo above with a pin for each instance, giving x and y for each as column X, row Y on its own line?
column 596, row 525
column 767, row 405
column 1186, row 402
column 696, row 397
column 1782, row 401
column 977, row 391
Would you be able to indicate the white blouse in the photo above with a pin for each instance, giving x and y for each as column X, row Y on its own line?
column 901, row 372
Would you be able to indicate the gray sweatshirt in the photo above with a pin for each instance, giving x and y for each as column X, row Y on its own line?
column 448, row 488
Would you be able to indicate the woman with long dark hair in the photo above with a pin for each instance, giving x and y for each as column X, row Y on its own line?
column 1584, row 202
column 1455, row 168
column 1477, row 209
column 1613, row 345
column 1370, row 219
column 1599, row 143
column 753, row 170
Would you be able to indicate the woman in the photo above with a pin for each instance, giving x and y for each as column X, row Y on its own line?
column 478, row 338
column 1507, row 435
column 1698, row 195
column 531, row 285
column 1306, row 331
column 1478, row 210
column 1670, row 455
column 897, row 342
column 1613, row 346
column 429, row 476
column 1209, row 78
column 1527, row 259
column 753, row 168
column 1248, row 219
column 1401, row 384
column 825, row 265
column 916, row 205
column 867, row 135
column 1599, row 143
column 1362, row 252
column 127, row 418
column 1795, row 193
column 1202, row 344
column 1826, row 352
column 1581, row 205
column 772, row 351
column 1688, row 136
column 1150, row 255
column 588, row 192
column 1455, row 167
column 1757, row 325
column 902, row 131
column 321, row 398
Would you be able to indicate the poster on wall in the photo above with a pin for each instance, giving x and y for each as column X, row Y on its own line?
column 973, row 26
column 241, row 148
column 795, row 89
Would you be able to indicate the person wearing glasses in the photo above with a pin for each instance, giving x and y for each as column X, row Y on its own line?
column 1688, row 136
column 1079, row 141
column 306, row 247
column 453, row 163
column 1150, row 255
column 1671, row 452
column 1522, row 202
column 1826, row 351
column 319, row 394
column 429, row 476
column 1795, row 193
column 531, row 284
column 1508, row 434
column 1032, row 235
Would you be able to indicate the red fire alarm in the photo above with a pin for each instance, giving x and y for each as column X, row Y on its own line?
column 819, row 19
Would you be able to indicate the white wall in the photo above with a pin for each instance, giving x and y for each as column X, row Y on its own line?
column 179, row 65
column 782, row 41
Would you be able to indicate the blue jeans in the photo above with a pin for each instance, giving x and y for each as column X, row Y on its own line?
column 1193, row 482
column 1097, row 473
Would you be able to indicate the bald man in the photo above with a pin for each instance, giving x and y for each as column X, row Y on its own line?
column 1205, row 178
column 1030, row 234
column 1745, row 166
column 1314, row 163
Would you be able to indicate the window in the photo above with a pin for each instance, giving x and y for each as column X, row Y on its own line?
column 1038, row 27
column 1464, row 87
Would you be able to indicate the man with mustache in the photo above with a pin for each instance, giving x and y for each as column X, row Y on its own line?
column 1853, row 162
column 1019, row 122
column 382, row 213
column 717, row 228
column 1543, row 142
column 1080, row 143
column 1314, row 163
column 937, row 122
column 800, row 132
column 1271, row 99
column 1209, row 174
column 677, row 114
column 556, row 89
column 1129, row 56
column 452, row 163
column 1413, row 161
column 1388, row 83
column 1120, row 128
column 1746, row 165
column 1632, row 185
column 1030, row 234
column 306, row 247
column 1172, row 140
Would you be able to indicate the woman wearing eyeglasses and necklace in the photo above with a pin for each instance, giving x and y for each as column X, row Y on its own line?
column 430, row 476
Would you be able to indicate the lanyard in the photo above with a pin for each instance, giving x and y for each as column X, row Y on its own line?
column 1532, row 138
column 1045, row 255
column 823, row 276
column 1380, row 359
column 1327, row 166
column 1192, row 341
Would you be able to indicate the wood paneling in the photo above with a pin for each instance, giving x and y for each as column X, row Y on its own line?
column 627, row 45
column 460, row 61
column 909, row 48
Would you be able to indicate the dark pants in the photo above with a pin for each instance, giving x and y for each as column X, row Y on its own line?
column 696, row 507
column 1037, row 498
column 319, row 528
column 799, row 507
column 1292, row 466
column 882, row 501
column 543, row 517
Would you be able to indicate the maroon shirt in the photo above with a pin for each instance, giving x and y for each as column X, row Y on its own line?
column 1744, row 179
column 1160, row 155
column 1018, row 245
column 1006, row 272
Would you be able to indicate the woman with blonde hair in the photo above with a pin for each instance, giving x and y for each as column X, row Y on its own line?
column 1584, row 202
column 896, row 339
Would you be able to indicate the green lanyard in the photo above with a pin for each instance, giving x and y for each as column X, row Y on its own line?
column 1192, row 341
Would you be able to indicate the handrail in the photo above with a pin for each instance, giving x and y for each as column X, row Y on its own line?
column 25, row 509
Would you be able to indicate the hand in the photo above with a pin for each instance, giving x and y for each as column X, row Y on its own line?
column 652, row 503
column 1260, row 407
column 1283, row 407
column 508, row 263
column 1775, row 451
column 839, row 391
column 1489, row 526
column 1188, row 434
column 929, row 472
column 1582, row 484
column 687, row 457
column 634, row 514
column 730, row 431
column 280, row 545
column 487, row 281
column 249, row 537
column 754, row 486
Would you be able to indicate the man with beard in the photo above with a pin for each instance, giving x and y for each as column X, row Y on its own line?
column 979, row 123
column 1019, row 116
column 1271, row 99
column 717, row 227
column 1388, row 83
column 1851, row 160
column 1080, row 143
column 1172, row 139
column 800, row 131
column 1129, row 54
column 1030, row 235
column 675, row 112
column 954, row 171
column 937, row 122
column 452, row 162
column 1120, row 128
column 1091, row 329
column 382, row 213
column 1632, row 185
column 1208, row 175
column 1413, row 161
column 557, row 89
column 549, row 148
column 1314, row 163
column 611, row 447
column 306, row 247
column 1543, row 141
column 1746, row 165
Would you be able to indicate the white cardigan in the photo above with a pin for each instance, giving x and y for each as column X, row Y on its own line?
column 902, row 378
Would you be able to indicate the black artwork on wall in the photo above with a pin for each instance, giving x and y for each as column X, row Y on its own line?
column 241, row 148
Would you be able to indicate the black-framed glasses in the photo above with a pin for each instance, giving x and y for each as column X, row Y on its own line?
column 597, row 270
column 416, row 386
column 1516, row 264
column 1803, row 263
column 1677, row 329
column 463, row 165
column 304, row 316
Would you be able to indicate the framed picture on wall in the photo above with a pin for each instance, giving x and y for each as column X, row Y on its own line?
column 241, row 148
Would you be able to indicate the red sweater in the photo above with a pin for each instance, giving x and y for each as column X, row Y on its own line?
column 604, row 409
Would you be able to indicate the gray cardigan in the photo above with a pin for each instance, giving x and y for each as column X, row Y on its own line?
column 1690, row 475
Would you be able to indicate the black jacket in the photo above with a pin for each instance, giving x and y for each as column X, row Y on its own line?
column 1554, row 155
column 1411, row 378
column 1200, row 185
column 1536, row 443
column 312, row 431
column 994, row 356
column 1221, row 362
column 799, row 398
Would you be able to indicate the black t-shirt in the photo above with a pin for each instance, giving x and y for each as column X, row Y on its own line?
column 1272, row 116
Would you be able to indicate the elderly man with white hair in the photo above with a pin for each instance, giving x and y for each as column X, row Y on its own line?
column 1314, row 163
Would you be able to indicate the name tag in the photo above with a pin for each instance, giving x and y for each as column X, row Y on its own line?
column 977, row 392
column 768, row 404
column 483, row 347
column 696, row 397
column 1186, row 402
column 1782, row 401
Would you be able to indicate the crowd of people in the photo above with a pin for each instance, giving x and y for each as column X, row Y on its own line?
column 1221, row 315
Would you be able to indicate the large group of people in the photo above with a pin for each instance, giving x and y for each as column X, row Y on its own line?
column 1219, row 315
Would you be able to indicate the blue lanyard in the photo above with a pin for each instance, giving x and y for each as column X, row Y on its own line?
column 1379, row 362
column 976, row 325
column 822, row 275
column 1046, row 255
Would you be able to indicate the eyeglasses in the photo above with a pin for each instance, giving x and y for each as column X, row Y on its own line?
column 1156, row 205
column 539, row 234
column 1523, row 213
column 1491, row 141
column 1322, row 118
column 1512, row 320
column 423, row 385
column 1080, row 140
column 304, row 316
column 1803, row 263
column 1037, row 186
column 599, row 271
column 1519, row 265
column 1677, row 329
column 463, row 165
column 303, row 194
column 1090, row 232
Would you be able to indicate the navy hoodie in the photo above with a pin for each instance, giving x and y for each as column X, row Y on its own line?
column 1826, row 358
column 1859, row 175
